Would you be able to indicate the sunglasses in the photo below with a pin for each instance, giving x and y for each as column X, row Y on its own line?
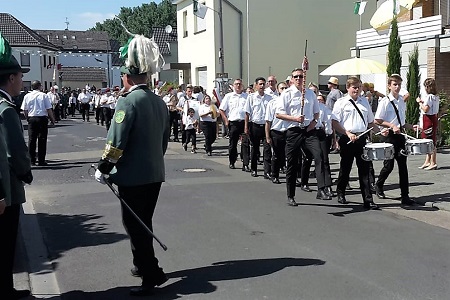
column 297, row 76
column 283, row 88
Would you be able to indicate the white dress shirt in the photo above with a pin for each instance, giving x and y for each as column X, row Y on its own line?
column 277, row 124
column 386, row 111
column 84, row 97
column 36, row 103
column 433, row 102
column 291, row 104
column 54, row 97
column 204, row 109
column 269, row 92
column 256, row 107
column 325, row 119
column 346, row 114
column 234, row 106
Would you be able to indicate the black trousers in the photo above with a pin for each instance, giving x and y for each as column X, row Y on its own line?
column 191, row 136
column 72, row 109
column 210, row 131
column 174, row 116
column 9, row 222
column 84, row 109
column 296, row 138
column 236, row 128
column 279, row 154
column 320, row 135
column 106, row 113
column 37, row 132
column 142, row 199
column 57, row 111
column 348, row 154
column 398, row 141
column 98, row 115
column 256, row 134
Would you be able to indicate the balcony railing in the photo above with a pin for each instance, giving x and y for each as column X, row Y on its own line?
column 408, row 31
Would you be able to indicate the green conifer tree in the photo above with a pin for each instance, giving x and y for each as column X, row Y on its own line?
column 413, row 86
column 395, row 58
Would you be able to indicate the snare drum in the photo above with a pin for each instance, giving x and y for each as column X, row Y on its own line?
column 419, row 146
column 378, row 151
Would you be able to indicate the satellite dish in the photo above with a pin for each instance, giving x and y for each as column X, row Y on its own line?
column 168, row 29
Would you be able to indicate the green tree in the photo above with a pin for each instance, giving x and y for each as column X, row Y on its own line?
column 395, row 58
column 139, row 20
column 413, row 87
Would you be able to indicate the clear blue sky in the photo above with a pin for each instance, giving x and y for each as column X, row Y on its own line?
column 51, row 14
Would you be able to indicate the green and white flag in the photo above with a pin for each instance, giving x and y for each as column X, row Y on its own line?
column 359, row 7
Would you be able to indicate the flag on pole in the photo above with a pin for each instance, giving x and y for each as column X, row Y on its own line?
column 396, row 7
column 200, row 9
column 359, row 7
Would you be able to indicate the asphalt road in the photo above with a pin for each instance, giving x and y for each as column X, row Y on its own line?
column 231, row 236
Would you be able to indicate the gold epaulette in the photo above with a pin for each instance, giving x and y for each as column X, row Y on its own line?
column 111, row 153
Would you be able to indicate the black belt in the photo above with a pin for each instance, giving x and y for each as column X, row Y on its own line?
column 297, row 129
column 258, row 125
column 38, row 116
column 238, row 121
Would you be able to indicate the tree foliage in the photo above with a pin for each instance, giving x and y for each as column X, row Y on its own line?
column 395, row 58
column 139, row 20
column 413, row 87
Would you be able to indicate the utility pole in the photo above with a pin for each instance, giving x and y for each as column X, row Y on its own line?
column 221, row 50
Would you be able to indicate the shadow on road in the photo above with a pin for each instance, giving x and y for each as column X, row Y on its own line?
column 75, row 231
column 200, row 280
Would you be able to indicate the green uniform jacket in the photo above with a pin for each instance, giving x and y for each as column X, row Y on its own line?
column 137, row 139
column 17, row 152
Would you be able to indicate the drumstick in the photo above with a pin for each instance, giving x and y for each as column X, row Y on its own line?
column 408, row 136
column 381, row 131
column 357, row 137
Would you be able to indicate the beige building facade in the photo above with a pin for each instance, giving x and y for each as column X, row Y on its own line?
column 264, row 37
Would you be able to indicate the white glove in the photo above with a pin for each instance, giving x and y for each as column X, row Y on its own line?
column 100, row 177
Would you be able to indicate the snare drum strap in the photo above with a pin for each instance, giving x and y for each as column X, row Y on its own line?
column 398, row 115
column 359, row 112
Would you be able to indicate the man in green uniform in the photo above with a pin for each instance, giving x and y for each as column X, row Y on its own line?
column 134, row 156
column 15, row 168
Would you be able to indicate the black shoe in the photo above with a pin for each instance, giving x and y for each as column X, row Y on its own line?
column 232, row 166
column 407, row 201
column 348, row 188
column 380, row 193
column 298, row 183
column 372, row 188
column 176, row 140
column 135, row 272
column 334, row 151
column 322, row 195
column 254, row 174
column 267, row 176
column 370, row 205
column 209, row 153
column 305, row 188
column 33, row 163
column 275, row 180
column 291, row 202
column 185, row 147
column 341, row 199
column 143, row 290
column 246, row 169
column 328, row 191
column 42, row 163
column 283, row 170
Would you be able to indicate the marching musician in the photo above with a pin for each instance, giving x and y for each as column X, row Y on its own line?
column 182, row 102
column 391, row 114
column 276, row 135
column 352, row 115
column 255, row 112
column 208, row 117
column 134, row 156
column 232, row 110
column 300, row 132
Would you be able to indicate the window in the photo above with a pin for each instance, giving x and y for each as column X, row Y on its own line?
column 202, row 77
column 73, row 37
column 25, row 59
column 45, row 61
column 185, row 32
column 27, row 86
column 54, row 60
column 200, row 24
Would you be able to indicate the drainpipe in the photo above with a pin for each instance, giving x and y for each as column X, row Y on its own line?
column 241, row 60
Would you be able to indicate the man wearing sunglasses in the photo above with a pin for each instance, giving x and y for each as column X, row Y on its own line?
column 301, row 113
